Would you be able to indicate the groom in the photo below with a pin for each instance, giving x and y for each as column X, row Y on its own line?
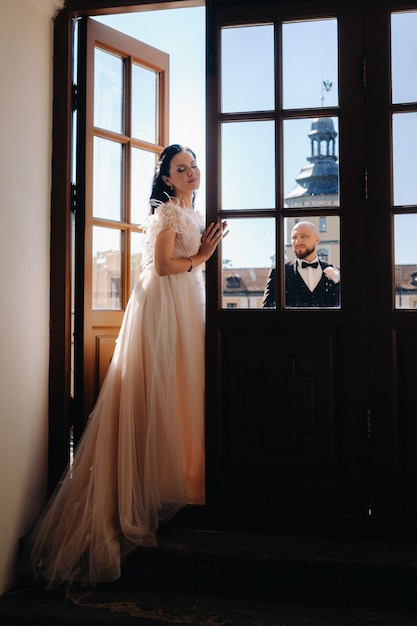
column 309, row 282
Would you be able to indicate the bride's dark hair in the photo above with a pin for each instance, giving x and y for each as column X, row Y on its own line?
column 161, row 192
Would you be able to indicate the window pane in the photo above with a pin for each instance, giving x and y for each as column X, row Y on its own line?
column 311, row 172
column 106, row 268
column 143, row 168
column 405, row 229
column 248, row 252
column 247, row 68
column 310, row 64
column 317, row 286
column 107, row 179
column 404, row 134
column 108, row 91
column 404, row 56
column 144, row 104
column 248, row 165
column 137, row 241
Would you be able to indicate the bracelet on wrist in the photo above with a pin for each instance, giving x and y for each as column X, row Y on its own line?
column 191, row 264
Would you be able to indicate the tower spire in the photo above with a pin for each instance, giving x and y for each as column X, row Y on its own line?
column 326, row 85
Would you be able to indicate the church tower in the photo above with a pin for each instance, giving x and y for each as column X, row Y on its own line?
column 317, row 185
column 318, row 182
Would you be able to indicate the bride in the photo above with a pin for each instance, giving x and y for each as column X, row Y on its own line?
column 141, row 456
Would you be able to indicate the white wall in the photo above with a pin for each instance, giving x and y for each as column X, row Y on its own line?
column 26, row 36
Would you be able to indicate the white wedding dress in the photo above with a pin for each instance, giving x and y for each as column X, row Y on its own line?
column 141, row 457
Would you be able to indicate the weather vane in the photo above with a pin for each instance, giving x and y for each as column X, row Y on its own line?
column 326, row 85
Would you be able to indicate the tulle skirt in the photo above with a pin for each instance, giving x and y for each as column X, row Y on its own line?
column 141, row 457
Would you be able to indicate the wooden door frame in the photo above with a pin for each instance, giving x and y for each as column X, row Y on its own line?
column 60, row 330
column 60, row 275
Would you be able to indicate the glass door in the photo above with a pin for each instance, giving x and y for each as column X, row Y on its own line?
column 392, row 259
column 126, row 126
column 288, row 394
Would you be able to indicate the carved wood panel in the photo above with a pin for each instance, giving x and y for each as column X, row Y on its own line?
column 279, row 417
column 278, row 399
column 105, row 342
column 407, row 405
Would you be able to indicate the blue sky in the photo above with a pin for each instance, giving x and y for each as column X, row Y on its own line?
column 181, row 33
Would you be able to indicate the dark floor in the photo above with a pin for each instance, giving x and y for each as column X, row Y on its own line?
column 204, row 578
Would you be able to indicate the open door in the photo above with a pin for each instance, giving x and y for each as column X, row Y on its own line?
column 122, row 128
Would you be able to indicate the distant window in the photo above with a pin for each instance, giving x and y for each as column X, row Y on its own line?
column 323, row 224
column 233, row 281
column 323, row 254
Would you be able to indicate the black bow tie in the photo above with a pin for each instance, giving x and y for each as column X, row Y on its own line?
column 315, row 265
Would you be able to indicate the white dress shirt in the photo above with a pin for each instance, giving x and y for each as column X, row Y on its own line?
column 310, row 275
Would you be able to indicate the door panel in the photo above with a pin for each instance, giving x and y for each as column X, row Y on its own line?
column 406, row 365
column 278, row 404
